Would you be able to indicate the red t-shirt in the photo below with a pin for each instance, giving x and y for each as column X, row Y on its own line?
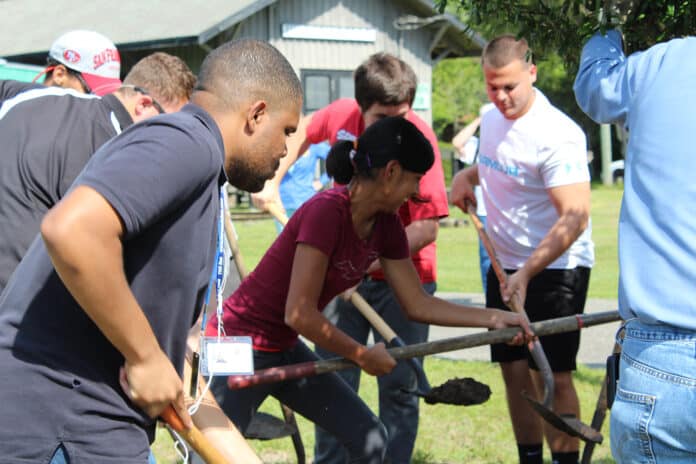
column 257, row 307
column 342, row 120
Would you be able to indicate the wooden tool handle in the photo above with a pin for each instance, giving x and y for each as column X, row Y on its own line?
column 193, row 437
column 278, row 374
column 234, row 245
column 277, row 212
column 487, row 244
column 517, row 306
column 372, row 316
column 547, row 327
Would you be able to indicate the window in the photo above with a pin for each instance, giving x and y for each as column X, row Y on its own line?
column 322, row 87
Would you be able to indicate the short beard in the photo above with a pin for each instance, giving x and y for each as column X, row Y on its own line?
column 245, row 177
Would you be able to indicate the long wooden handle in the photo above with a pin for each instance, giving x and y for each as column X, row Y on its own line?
column 517, row 306
column 487, row 244
column 277, row 212
column 547, row 327
column 193, row 437
column 371, row 315
column 234, row 245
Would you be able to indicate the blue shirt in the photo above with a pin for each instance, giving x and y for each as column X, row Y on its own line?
column 297, row 184
column 653, row 93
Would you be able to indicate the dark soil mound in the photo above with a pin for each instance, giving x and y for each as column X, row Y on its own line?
column 466, row 392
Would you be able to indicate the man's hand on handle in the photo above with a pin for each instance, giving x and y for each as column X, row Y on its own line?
column 153, row 384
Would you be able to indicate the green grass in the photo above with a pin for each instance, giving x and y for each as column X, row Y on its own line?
column 455, row 434
column 447, row 434
column 457, row 266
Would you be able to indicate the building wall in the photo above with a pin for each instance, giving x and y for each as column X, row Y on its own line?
column 411, row 46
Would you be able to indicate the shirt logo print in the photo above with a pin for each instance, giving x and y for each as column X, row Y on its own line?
column 350, row 272
column 510, row 170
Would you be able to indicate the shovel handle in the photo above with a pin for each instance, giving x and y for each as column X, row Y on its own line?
column 277, row 212
column 371, row 315
column 234, row 245
column 487, row 244
column 389, row 335
column 517, row 306
column 281, row 373
column 547, row 327
column 193, row 437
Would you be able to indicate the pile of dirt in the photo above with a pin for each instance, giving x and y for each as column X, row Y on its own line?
column 464, row 392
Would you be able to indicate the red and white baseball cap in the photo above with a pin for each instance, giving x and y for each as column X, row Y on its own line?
column 92, row 55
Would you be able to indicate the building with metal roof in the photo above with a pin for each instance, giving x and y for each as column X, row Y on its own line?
column 324, row 40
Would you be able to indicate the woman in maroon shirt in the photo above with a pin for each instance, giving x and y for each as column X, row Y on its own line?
column 326, row 248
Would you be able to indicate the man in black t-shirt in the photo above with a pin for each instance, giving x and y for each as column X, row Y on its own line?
column 123, row 262
column 48, row 134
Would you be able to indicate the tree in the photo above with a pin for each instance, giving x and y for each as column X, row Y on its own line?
column 458, row 92
column 563, row 26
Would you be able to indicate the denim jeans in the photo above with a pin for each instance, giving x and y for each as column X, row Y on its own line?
column 398, row 410
column 324, row 399
column 653, row 419
column 59, row 457
column 484, row 260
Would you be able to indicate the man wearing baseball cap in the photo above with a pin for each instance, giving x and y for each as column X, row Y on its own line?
column 85, row 61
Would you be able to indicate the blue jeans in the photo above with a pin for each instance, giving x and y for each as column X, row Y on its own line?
column 324, row 399
column 653, row 419
column 484, row 260
column 61, row 457
column 398, row 410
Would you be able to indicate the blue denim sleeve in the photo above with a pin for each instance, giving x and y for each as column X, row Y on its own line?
column 602, row 85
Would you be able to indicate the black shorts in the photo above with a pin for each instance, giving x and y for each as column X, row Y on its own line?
column 550, row 294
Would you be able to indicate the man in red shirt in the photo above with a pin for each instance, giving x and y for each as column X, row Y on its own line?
column 384, row 86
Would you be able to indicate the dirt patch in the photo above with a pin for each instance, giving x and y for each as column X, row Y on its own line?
column 463, row 392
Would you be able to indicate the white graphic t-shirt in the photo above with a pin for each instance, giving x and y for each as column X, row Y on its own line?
column 518, row 161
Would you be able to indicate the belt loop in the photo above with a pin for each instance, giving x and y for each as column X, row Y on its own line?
column 621, row 331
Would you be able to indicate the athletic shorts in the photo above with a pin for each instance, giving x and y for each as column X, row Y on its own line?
column 550, row 294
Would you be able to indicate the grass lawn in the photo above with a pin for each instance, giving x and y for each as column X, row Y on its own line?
column 458, row 247
column 455, row 434
column 458, row 269
column 447, row 434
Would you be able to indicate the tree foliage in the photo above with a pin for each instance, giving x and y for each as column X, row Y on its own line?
column 458, row 93
column 563, row 26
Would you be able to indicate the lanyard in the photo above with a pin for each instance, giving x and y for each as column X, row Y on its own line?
column 218, row 275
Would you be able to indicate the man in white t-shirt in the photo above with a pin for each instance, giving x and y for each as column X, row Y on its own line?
column 533, row 171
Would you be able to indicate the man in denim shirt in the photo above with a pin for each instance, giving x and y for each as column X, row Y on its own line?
column 652, row 93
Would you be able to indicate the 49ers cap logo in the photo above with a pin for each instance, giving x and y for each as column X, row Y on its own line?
column 71, row 56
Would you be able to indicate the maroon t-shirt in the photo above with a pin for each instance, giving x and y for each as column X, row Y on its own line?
column 342, row 120
column 257, row 307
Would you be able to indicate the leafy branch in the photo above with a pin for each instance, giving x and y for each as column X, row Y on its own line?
column 563, row 26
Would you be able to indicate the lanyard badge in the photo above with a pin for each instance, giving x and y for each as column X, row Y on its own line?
column 220, row 355
column 226, row 356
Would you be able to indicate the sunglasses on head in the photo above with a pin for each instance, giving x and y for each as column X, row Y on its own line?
column 142, row 91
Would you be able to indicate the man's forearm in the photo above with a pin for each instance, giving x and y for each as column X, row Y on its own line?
column 560, row 237
column 465, row 134
column 421, row 233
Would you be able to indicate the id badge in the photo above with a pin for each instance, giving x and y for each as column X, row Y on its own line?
column 226, row 356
